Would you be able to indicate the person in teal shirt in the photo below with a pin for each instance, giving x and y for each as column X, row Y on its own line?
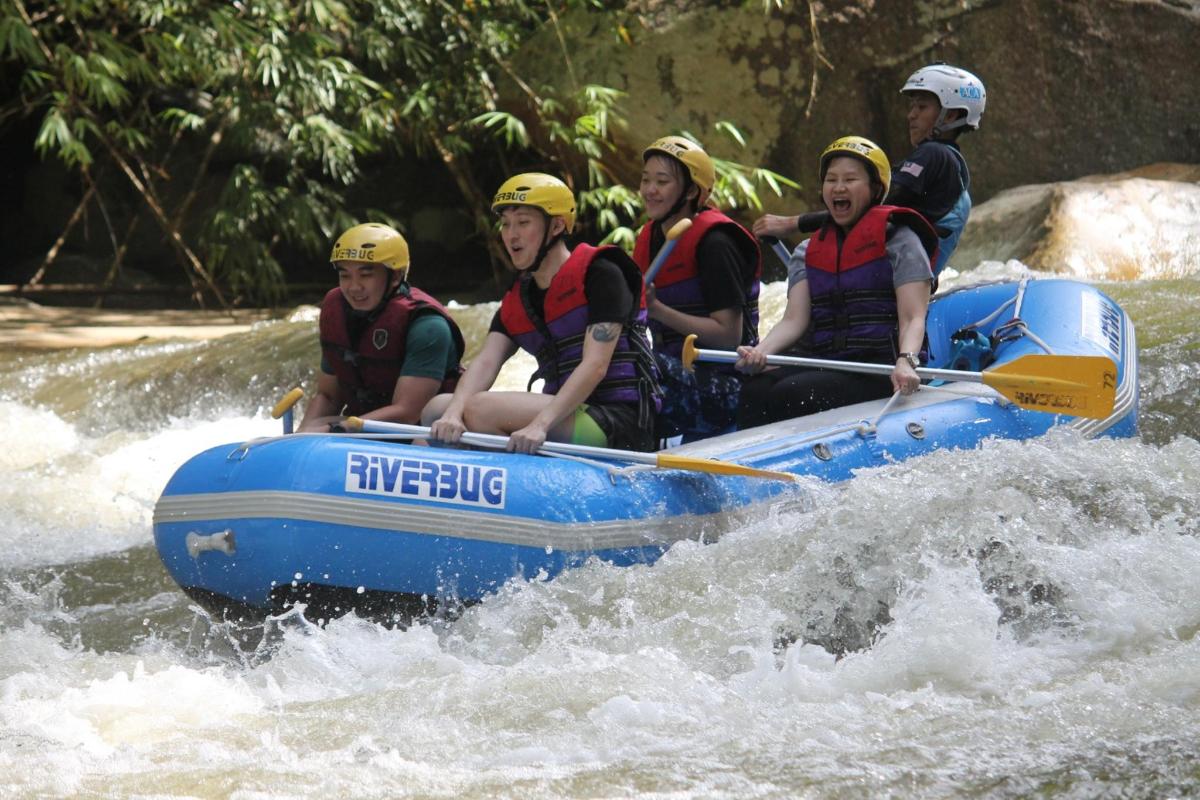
column 387, row 348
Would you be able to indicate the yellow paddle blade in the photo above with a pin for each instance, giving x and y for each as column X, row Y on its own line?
column 1081, row 386
column 667, row 461
column 287, row 401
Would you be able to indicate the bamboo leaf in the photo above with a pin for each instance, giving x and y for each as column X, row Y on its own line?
column 511, row 128
column 18, row 42
column 731, row 130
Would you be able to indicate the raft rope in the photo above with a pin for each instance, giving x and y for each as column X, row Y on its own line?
column 1010, row 301
column 871, row 428
column 1016, row 327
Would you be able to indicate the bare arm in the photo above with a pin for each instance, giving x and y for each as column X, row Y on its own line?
column 410, row 396
column 324, row 407
column 912, row 301
column 774, row 225
column 787, row 331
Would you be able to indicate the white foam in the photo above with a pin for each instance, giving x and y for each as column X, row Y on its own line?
column 70, row 496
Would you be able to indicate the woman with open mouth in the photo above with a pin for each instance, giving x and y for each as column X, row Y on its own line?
column 858, row 290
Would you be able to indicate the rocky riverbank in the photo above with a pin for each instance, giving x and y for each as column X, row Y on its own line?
column 27, row 325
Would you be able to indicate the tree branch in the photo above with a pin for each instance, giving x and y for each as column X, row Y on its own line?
column 52, row 253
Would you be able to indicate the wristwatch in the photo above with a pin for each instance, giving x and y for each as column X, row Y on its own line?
column 913, row 359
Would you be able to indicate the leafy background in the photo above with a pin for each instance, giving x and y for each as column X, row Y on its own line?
column 240, row 137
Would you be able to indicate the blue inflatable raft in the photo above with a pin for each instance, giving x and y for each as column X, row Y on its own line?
column 385, row 528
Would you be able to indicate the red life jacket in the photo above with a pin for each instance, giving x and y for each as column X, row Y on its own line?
column 854, row 315
column 367, row 373
column 556, row 338
column 678, row 281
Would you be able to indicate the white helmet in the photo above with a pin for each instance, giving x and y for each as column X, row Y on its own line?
column 955, row 88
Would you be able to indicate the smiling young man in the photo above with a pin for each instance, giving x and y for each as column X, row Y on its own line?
column 581, row 313
column 943, row 103
column 387, row 348
column 859, row 289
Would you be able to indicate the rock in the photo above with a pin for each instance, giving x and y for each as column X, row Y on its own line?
column 1142, row 223
column 1074, row 88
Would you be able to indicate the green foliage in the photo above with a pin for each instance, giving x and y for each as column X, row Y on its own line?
column 282, row 101
column 738, row 185
column 506, row 125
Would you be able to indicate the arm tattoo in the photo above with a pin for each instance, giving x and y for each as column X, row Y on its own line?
column 605, row 331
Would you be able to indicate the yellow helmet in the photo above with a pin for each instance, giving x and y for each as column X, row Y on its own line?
column 375, row 243
column 540, row 190
column 692, row 155
column 865, row 151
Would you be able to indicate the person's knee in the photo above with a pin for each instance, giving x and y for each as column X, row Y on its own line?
column 434, row 409
column 472, row 410
column 480, row 414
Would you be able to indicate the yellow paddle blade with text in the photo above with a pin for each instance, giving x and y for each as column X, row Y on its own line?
column 1081, row 386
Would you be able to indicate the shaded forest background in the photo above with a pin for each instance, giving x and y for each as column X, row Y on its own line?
column 204, row 153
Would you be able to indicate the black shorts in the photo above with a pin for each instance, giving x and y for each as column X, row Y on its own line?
column 619, row 421
column 788, row 392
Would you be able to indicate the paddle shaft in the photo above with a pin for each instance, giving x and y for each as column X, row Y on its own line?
column 677, row 230
column 661, row 460
column 1082, row 386
column 729, row 357
column 496, row 442
column 779, row 247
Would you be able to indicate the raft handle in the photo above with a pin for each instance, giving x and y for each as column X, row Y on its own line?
column 221, row 541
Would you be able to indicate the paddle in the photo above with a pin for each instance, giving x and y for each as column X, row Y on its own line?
column 1081, row 386
column 284, row 408
column 779, row 247
column 677, row 230
column 661, row 460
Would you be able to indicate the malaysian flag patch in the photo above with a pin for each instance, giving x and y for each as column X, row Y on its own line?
column 912, row 168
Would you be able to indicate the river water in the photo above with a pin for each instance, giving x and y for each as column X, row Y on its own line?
column 1019, row 620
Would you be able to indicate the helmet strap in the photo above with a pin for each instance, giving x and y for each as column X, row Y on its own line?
column 683, row 199
column 548, row 243
column 941, row 127
column 394, row 289
column 400, row 286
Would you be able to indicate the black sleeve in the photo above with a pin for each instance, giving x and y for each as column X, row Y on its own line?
column 812, row 221
column 497, row 326
column 608, row 294
column 722, row 270
column 928, row 181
